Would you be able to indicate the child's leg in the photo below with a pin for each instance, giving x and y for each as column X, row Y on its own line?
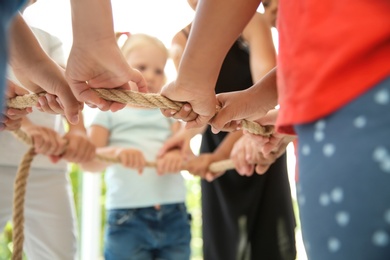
column 127, row 235
column 344, row 178
column 174, row 232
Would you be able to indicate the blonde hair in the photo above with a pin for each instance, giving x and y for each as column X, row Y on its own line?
column 134, row 41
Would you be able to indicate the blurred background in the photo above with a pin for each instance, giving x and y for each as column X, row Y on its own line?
column 161, row 19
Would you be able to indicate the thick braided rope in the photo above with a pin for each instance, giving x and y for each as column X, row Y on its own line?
column 149, row 100
column 18, row 206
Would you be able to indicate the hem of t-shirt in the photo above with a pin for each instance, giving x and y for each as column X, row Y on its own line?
column 285, row 123
column 145, row 205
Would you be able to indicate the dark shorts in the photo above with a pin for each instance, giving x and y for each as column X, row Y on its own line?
column 344, row 180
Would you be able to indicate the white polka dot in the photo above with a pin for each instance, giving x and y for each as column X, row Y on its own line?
column 380, row 153
column 360, row 122
column 324, row 199
column 320, row 125
column 342, row 218
column 334, row 244
column 380, row 238
column 385, row 165
column 305, row 149
column 301, row 200
column 387, row 216
column 329, row 150
column 382, row 97
column 319, row 136
column 337, row 195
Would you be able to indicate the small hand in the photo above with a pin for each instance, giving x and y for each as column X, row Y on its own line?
column 46, row 141
column 79, row 149
column 132, row 158
column 199, row 166
column 171, row 162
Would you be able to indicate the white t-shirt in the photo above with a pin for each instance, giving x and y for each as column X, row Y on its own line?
column 12, row 149
column 146, row 130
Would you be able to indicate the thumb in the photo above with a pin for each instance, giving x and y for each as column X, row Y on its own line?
column 71, row 106
column 269, row 118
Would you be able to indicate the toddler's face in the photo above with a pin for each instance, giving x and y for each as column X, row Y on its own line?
column 150, row 61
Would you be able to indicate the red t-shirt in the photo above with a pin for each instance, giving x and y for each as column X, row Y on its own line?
column 330, row 52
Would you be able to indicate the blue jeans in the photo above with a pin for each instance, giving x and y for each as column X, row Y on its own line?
column 147, row 233
column 344, row 177
column 8, row 9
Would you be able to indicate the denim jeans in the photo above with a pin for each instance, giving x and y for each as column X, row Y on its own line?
column 148, row 233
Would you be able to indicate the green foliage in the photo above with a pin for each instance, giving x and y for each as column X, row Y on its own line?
column 194, row 207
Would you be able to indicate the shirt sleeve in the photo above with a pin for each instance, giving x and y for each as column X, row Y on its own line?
column 102, row 118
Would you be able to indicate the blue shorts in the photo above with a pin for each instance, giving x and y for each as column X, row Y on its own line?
column 147, row 233
column 344, row 180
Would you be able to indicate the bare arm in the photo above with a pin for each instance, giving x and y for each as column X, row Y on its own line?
column 217, row 25
column 95, row 60
column 262, row 50
column 98, row 135
column 36, row 71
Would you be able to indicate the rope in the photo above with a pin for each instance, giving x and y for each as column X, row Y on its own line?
column 18, row 209
column 148, row 100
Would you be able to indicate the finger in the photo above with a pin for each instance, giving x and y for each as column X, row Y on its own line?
column 269, row 118
column 11, row 125
column 73, row 150
column 43, row 106
column 168, row 112
column 228, row 127
column 14, row 114
column 51, row 144
column 185, row 113
column 159, row 167
column 71, row 107
column 262, row 168
column 53, row 104
column 116, row 106
column 123, row 159
column 59, row 145
column 139, row 80
column 199, row 121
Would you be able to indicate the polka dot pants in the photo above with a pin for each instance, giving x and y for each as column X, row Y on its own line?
column 344, row 180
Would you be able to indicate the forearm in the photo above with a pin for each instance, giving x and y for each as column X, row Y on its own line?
column 266, row 90
column 262, row 50
column 25, row 50
column 92, row 21
column 212, row 34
